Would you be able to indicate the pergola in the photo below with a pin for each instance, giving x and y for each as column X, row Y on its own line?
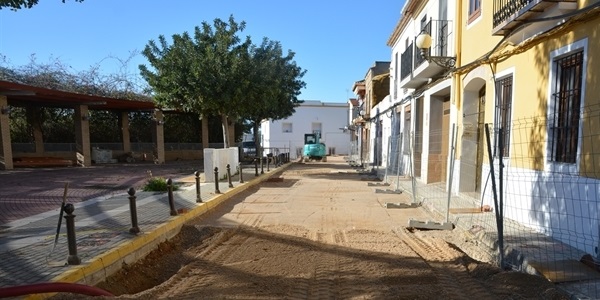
column 21, row 95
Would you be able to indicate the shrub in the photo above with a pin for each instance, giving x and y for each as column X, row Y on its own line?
column 157, row 184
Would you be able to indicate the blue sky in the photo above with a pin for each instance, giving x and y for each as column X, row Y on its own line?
column 336, row 41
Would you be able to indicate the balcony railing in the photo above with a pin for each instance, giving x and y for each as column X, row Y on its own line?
column 507, row 11
column 440, row 32
column 406, row 62
column 412, row 59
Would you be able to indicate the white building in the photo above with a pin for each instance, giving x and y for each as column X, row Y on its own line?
column 330, row 119
column 420, row 91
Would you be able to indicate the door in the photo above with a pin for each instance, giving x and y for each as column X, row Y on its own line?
column 480, row 138
column 446, row 136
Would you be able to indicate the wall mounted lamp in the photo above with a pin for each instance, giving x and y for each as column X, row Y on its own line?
column 423, row 42
column 6, row 110
column 160, row 122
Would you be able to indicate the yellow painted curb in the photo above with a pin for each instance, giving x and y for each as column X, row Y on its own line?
column 84, row 273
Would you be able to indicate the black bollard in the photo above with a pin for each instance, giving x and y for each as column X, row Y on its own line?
column 198, row 196
column 73, row 259
column 268, row 163
column 133, row 210
column 171, row 201
column 241, row 173
column 256, row 166
column 217, row 191
column 229, row 175
column 262, row 167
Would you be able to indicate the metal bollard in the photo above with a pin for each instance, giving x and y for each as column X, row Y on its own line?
column 73, row 259
column 241, row 173
column 198, row 196
column 256, row 167
column 262, row 167
column 217, row 191
column 229, row 175
column 135, row 229
column 171, row 201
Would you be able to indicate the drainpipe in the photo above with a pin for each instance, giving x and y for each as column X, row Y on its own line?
column 457, row 51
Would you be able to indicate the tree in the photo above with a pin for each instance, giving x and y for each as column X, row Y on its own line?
column 18, row 4
column 202, row 74
column 276, row 81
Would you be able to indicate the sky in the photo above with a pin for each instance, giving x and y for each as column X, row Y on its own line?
column 336, row 41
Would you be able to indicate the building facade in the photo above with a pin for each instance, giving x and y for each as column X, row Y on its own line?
column 526, row 70
column 519, row 74
column 329, row 119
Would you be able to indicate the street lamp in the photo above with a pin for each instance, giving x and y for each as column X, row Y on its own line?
column 423, row 42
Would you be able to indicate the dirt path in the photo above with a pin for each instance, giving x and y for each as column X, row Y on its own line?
column 320, row 233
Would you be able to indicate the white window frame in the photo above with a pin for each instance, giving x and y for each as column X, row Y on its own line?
column 559, row 167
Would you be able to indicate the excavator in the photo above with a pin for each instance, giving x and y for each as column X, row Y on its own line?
column 313, row 148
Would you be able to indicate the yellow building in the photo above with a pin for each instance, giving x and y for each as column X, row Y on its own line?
column 527, row 69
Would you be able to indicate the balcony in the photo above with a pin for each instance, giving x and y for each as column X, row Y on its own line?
column 510, row 14
column 415, row 70
column 406, row 62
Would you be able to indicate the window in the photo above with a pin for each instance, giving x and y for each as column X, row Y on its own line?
column 566, row 103
column 502, row 121
column 286, row 127
column 474, row 10
column 316, row 127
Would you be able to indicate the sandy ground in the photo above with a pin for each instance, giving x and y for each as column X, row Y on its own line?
column 318, row 233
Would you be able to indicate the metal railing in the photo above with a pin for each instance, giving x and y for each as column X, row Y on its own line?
column 71, row 147
column 504, row 10
column 406, row 62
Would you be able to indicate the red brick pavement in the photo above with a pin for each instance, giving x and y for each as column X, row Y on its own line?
column 30, row 191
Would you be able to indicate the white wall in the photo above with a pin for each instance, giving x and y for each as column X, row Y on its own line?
column 333, row 117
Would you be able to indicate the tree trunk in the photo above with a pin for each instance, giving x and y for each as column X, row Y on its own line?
column 204, row 119
column 257, row 139
column 232, row 134
column 225, row 124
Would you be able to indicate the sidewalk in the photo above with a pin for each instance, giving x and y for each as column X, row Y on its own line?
column 526, row 250
column 27, row 253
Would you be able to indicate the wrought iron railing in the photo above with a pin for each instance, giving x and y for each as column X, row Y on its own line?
column 506, row 9
column 419, row 58
column 441, row 35
column 406, row 62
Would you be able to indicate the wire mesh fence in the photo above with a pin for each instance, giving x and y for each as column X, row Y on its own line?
column 530, row 207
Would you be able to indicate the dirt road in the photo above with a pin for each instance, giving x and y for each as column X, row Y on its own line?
column 318, row 233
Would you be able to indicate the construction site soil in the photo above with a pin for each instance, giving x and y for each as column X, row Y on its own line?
column 317, row 233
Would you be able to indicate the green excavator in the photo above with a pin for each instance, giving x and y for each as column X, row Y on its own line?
column 313, row 148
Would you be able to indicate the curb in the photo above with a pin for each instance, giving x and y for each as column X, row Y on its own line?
column 128, row 252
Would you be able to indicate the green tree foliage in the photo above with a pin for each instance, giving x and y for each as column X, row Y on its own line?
column 58, row 125
column 104, row 127
column 19, row 4
column 140, row 127
column 276, row 81
column 182, row 128
column 203, row 73
column 20, row 131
